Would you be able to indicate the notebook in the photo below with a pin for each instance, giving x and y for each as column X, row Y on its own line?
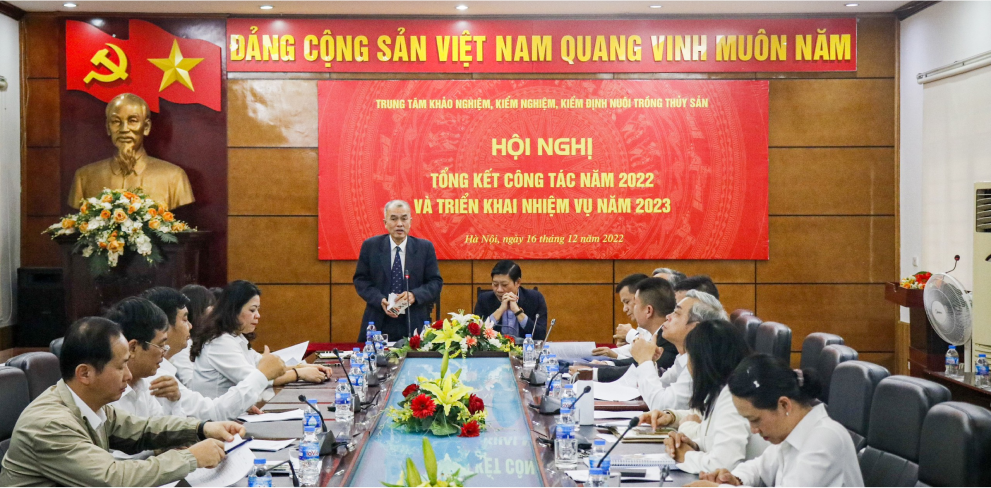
column 640, row 460
column 644, row 434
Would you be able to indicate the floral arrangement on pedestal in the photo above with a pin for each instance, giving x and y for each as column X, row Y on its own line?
column 115, row 221
column 470, row 332
column 442, row 406
column 411, row 475
column 917, row 281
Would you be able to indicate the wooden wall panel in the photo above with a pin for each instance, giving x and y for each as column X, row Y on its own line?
column 858, row 313
column 454, row 298
column 277, row 250
column 719, row 271
column 41, row 113
column 272, row 113
column 830, row 250
column 831, row 181
column 346, row 311
column 583, row 312
column 551, row 271
column 876, row 47
column 38, row 249
column 269, row 181
column 455, row 271
column 285, row 322
column 41, row 168
column 832, row 112
column 41, row 46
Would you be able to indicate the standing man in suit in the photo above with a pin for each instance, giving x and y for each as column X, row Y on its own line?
column 383, row 264
column 514, row 310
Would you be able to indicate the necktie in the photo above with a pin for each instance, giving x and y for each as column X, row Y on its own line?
column 397, row 273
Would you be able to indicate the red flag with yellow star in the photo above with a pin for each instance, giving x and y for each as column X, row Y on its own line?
column 151, row 63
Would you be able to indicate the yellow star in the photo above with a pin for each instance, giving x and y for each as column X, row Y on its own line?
column 176, row 67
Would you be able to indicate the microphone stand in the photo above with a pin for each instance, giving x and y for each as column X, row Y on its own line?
column 633, row 423
column 537, row 377
column 373, row 379
column 265, row 471
column 548, row 405
column 409, row 326
column 323, row 424
column 354, row 394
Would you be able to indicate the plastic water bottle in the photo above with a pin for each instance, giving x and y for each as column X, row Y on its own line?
column 312, row 419
column 982, row 377
column 552, row 362
column 369, row 354
column 357, row 375
column 309, row 457
column 371, row 327
column 554, row 385
column 529, row 353
column 544, row 356
column 599, row 452
column 426, row 325
column 379, row 344
column 596, row 478
column 952, row 362
column 343, row 403
column 565, row 444
column 568, row 397
column 258, row 476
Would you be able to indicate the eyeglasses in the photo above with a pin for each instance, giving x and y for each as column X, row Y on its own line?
column 164, row 349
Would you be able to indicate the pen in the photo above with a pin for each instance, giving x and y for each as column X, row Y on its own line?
column 245, row 441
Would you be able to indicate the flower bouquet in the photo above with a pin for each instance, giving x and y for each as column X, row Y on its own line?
column 917, row 281
column 470, row 332
column 442, row 406
column 411, row 475
column 115, row 221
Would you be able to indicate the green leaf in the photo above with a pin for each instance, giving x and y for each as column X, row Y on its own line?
column 389, row 484
column 430, row 461
column 169, row 238
column 412, row 474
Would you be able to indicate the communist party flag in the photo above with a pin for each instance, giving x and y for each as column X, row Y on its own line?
column 151, row 63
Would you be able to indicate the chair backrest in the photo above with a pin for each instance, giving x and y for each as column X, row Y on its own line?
column 812, row 346
column 55, row 347
column 774, row 339
column 41, row 369
column 830, row 357
column 956, row 446
column 14, row 399
column 851, row 393
column 738, row 313
column 747, row 325
column 898, row 410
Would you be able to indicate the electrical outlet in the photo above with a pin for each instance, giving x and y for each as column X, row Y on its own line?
column 915, row 261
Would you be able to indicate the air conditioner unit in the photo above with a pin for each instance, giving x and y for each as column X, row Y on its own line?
column 982, row 270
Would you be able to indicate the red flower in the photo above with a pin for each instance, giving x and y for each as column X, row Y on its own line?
column 412, row 388
column 474, row 329
column 438, row 325
column 414, row 342
column 423, row 406
column 470, row 429
column 511, row 340
column 475, row 404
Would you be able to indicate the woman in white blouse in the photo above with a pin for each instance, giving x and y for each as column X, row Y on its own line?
column 712, row 434
column 809, row 448
column 220, row 351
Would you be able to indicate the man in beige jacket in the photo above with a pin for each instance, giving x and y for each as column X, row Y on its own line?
column 64, row 437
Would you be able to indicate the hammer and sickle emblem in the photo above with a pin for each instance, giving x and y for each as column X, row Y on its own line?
column 117, row 71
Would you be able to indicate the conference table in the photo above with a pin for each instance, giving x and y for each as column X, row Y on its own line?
column 507, row 453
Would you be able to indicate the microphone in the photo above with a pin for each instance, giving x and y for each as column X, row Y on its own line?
column 633, row 423
column 536, row 375
column 354, row 394
column 265, row 471
column 323, row 424
column 586, row 390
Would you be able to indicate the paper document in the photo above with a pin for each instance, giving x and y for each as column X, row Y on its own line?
column 273, row 417
column 263, row 445
column 293, row 355
column 231, row 470
column 605, row 414
column 397, row 307
column 615, row 393
column 651, row 474
column 571, row 350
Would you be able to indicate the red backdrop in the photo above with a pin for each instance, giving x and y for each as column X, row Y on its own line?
column 705, row 165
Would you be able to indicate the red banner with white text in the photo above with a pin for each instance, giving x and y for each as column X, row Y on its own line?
column 548, row 169
column 541, row 46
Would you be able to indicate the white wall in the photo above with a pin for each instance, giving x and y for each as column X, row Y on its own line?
column 937, row 36
column 10, row 167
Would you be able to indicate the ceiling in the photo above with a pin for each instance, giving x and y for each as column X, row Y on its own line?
column 447, row 8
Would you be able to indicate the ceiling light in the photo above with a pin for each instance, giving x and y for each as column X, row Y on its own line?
column 69, row 5
column 266, row 7
column 655, row 6
column 462, row 7
column 852, row 4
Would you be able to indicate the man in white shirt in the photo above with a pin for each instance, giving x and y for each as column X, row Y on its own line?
column 153, row 392
column 673, row 389
column 176, row 308
column 624, row 289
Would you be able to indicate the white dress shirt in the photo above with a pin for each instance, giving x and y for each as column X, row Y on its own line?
column 392, row 252
column 223, row 363
column 183, row 365
column 626, row 350
column 95, row 419
column 138, row 400
column 228, row 406
column 818, row 452
column 670, row 391
column 724, row 437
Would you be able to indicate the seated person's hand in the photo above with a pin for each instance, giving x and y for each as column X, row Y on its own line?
column 657, row 354
column 253, row 410
column 576, row 368
column 385, row 307
column 223, row 431
column 270, row 365
column 311, row 374
column 657, row 418
column 677, row 444
column 622, row 330
column 643, row 351
column 208, row 453
column 716, row 478
column 604, row 351
column 165, row 387
column 602, row 363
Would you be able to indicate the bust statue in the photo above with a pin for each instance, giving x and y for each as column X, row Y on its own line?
column 128, row 123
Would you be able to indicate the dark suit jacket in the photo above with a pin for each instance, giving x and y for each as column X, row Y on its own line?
column 531, row 301
column 608, row 374
column 372, row 282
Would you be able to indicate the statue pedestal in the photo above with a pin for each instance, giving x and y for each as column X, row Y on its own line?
column 87, row 295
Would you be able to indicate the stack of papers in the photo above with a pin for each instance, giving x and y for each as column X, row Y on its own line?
column 273, row 417
column 612, row 392
column 231, row 470
column 650, row 474
column 272, row 446
column 293, row 355
column 629, row 414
